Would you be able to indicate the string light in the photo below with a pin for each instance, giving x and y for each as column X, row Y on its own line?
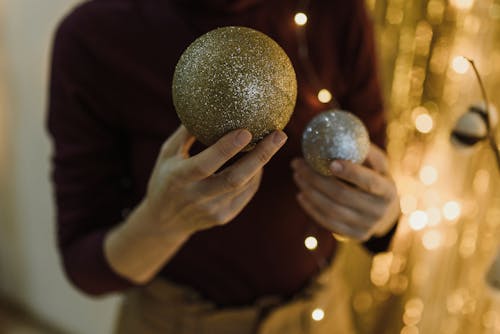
column 438, row 77
column 432, row 240
column 451, row 210
column 318, row 314
column 324, row 96
column 424, row 123
column 413, row 312
column 418, row 220
column 300, row 19
column 311, row 243
column 428, row 175
column 462, row 4
column 434, row 211
column 460, row 64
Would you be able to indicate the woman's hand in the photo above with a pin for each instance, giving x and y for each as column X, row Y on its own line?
column 358, row 201
column 187, row 194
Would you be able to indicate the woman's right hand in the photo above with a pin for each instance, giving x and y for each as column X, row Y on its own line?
column 187, row 194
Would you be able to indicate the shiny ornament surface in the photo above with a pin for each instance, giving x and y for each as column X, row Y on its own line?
column 231, row 78
column 334, row 135
column 471, row 128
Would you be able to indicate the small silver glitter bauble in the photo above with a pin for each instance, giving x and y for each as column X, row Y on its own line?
column 333, row 135
column 232, row 78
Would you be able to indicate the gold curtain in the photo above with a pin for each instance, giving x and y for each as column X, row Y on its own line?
column 433, row 280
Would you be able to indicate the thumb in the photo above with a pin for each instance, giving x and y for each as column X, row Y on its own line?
column 377, row 159
column 178, row 143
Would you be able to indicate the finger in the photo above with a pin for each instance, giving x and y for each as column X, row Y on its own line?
column 329, row 224
column 337, row 190
column 241, row 200
column 363, row 177
column 226, row 206
column 334, row 210
column 178, row 143
column 212, row 158
column 377, row 159
column 245, row 168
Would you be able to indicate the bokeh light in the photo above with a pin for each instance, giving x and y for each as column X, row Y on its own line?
column 300, row 19
column 460, row 64
column 451, row 210
column 324, row 96
column 462, row 4
column 428, row 175
column 418, row 220
column 432, row 239
column 311, row 243
column 424, row 123
column 318, row 314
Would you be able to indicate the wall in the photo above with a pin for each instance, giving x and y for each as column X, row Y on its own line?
column 29, row 267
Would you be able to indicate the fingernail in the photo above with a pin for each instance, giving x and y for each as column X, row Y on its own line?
column 242, row 138
column 279, row 137
column 336, row 166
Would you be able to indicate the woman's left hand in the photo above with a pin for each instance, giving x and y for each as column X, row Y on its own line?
column 358, row 201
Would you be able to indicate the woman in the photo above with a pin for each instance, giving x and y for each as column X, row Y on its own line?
column 195, row 250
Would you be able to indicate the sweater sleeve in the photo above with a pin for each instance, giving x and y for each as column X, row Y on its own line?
column 88, row 166
column 364, row 95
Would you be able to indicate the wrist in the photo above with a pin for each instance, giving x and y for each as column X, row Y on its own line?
column 139, row 247
column 146, row 220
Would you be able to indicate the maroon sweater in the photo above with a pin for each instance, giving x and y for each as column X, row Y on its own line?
column 111, row 109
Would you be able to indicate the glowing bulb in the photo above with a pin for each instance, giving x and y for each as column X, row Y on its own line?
column 300, row 19
column 324, row 96
column 318, row 314
column 451, row 210
column 428, row 175
column 418, row 220
column 462, row 4
column 460, row 64
column 432, row 240
column 311, row 243
column 424, row 123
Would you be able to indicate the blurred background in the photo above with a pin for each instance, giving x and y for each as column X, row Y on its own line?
column 435, row 279
column 30, row 275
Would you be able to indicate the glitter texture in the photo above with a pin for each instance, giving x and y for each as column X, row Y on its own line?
column 334, row 135
column 232, row 78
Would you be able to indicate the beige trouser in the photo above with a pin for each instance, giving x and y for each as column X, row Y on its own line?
column 166, row 308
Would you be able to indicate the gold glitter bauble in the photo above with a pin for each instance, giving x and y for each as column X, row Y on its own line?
column 232, row 78
column 334, row 135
